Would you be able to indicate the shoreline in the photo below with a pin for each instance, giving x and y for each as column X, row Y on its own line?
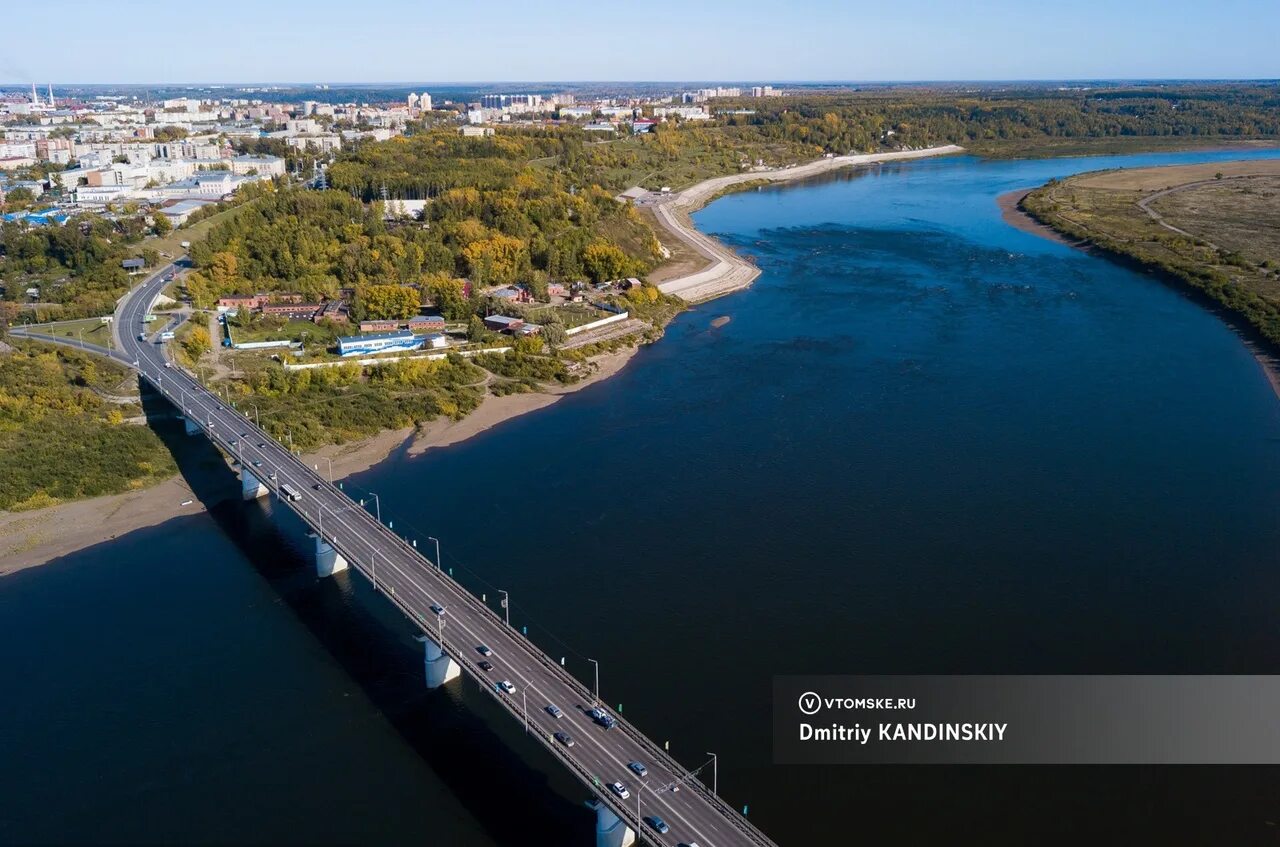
column 726, row 271
column 1268, row 360
column 34, row 538
column 24, row 543
column 1012, row 213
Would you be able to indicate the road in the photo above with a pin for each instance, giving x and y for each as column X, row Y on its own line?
column 598, row 756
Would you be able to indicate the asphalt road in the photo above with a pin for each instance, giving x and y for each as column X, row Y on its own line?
column 598, row 757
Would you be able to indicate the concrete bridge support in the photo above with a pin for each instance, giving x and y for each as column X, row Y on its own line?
column 328, row 560
column 610, row 830
column 251, row 488
column 191, row 426
column 439, row 667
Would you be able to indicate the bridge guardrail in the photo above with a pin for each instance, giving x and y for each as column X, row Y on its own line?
column 683, row 775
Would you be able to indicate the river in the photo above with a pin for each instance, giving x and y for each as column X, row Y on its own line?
column 924, row 442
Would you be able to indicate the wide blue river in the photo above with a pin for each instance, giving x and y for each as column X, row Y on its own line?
column 924, row 442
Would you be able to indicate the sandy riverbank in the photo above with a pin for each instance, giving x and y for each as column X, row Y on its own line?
column 725, row 270
column 1018, row 219
column 33, row 538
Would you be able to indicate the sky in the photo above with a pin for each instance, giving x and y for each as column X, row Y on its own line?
column 242, row 41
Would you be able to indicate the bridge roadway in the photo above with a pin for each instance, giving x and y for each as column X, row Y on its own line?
column 599, row 756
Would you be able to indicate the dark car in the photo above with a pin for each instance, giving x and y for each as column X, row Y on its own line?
column 657, row 824
column 486, row 666
column 564, row 739
column 318, row 487
column 637, row 768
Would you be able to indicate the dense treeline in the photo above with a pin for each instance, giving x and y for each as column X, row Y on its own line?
column 59, row 439
column 77, row 264
column 494, row 218
column 309, row 408
column 859, row 122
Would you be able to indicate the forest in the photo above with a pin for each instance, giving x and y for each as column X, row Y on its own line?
column 60, row 439
column 495, row 219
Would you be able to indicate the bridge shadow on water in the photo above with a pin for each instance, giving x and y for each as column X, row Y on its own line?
column 507, row 781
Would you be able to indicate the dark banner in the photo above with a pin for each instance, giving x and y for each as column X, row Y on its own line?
column 1026, row 719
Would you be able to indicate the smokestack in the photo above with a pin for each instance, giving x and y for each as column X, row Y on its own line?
column 35, row 98
column 51, row 95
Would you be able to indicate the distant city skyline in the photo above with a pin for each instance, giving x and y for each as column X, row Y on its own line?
column 292, row 41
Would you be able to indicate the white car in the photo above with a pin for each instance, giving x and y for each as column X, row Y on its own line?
column 619, row 789
column 506, row 686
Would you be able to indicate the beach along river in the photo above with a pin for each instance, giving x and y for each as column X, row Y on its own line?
column 924, row 441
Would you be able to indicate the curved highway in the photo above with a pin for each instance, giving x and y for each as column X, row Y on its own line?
column 598, row 756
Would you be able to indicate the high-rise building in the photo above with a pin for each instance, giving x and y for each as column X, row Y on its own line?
column 424, row 102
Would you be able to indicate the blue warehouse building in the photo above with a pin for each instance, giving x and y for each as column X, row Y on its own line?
column 378, row 342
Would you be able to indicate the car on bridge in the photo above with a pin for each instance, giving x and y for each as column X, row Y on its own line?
column 638, row 769
column 435, row 607
column 506, row 686
column 619, row 789
column 657, row 824
column 554, row 711
column 602, row 717
column 564, row 739
column 483, row 650
column 486, row 666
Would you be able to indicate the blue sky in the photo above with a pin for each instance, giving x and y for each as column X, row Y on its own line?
column 127, row 41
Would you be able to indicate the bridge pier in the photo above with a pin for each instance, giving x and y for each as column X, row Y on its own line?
column 439, row 666
column 191, row 427
column 251, row 488
column 328, row 560
column 610, row 830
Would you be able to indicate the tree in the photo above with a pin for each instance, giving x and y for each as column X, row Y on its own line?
column 18, row 198
column 554, row 334
column 200, row 290
column 497, row 260
column 447, row 295
column 161, row 225
column 224, row 267
column 197, row 342
column 386, row 302
column 605, row 261
column 476, row 330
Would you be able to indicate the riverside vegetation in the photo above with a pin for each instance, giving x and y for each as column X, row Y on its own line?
column 62, row 437
column 1215, row 227
column 531, row 206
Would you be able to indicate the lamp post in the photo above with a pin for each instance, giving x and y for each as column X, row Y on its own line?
column 714, row 773
column 597, row 688
column 439, row 564
column 256, row 421
column 377, row 506
column 506, row 605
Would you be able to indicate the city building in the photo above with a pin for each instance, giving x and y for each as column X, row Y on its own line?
column 384, row 342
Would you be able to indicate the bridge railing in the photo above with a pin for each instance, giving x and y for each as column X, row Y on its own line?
column 356, row 557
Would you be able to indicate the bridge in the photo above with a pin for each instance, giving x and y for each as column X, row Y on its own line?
column 455, row 624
